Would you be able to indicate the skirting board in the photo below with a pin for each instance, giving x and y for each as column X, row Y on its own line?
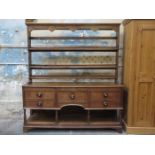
column 139, row 130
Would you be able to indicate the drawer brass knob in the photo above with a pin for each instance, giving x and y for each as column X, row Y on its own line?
column 105, row 103
column 105, row 94
column 39, row 94
column 72, row 96
column 39, row 103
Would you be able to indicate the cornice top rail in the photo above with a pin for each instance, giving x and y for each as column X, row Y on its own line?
column 31, row 22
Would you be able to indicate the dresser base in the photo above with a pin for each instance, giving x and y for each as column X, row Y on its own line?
column 73, row 106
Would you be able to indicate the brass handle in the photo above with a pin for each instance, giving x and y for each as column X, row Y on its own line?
column 39, row 103
column 105, row 103
column 105, row 94
column 72, row 96
column 39, row 94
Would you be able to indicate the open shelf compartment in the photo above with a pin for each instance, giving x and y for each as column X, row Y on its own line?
column 74, row 116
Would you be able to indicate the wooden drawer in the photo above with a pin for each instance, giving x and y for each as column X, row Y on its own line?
column 72, row 97
column 39, row 104
column 106, row 104
column 39, row 93
column 104, row 94
column 106, row 98
column 85, row 97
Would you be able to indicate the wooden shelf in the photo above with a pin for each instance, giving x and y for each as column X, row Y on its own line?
column 73, row 48
column 70, row 38
column 73, row 84
column 78, row 120
column 106, row 66
column 72, row 125
column 71, row 26
column 66, row 76
column 34, row 22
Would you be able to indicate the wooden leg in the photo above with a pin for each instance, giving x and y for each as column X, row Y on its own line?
column 31, row 112
column 120, row 130
column 88, row 117
column 26, row 129
column 25, row 116
column 119, row 118
column 56, row 117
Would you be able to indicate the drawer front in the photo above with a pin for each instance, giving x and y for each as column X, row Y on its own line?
column 105, row 95
column 72, row 97
column 106, row 99
column 39, row 104
column 39, row 93
column 85, row 97
column 106, row 104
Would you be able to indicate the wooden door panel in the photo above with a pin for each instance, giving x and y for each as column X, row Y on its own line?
column 147, row 55
column 144, row 106
column 145, row 82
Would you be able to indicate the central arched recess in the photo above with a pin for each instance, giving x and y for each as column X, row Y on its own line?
column 72, row 113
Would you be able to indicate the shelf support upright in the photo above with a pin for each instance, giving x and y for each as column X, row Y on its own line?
column 117, row 55
column 29, row 53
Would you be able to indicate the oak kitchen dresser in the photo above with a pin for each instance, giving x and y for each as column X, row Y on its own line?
column 73, row 104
